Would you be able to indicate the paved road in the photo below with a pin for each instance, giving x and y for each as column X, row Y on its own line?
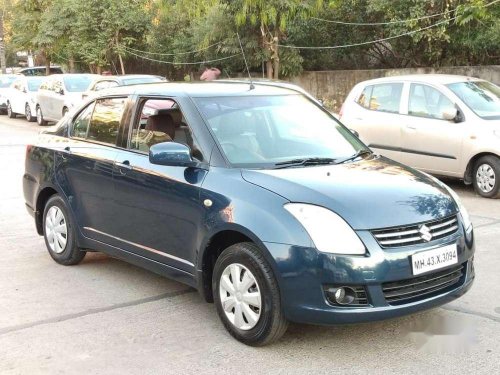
column 105, row 316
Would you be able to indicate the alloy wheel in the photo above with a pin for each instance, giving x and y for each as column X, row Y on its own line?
column 27, row 112
column 485, row 178
column 240, row 296
column 39, row 118
column 56, row 229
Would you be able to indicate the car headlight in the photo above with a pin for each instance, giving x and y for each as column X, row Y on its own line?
column 329, row 232
column 463, row 211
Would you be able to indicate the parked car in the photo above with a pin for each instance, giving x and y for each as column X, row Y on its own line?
column 21, row 99
column 5, row 82
column 40, row 70
column 442, row 124
column 106, row 82
column 59, row 93
column 256, row 196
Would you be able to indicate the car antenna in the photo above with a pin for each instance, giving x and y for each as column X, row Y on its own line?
column 245, row 59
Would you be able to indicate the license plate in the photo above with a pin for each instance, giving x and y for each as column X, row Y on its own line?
column 434, row 259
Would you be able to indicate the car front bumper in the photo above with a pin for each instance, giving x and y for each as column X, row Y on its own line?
column 303, row 274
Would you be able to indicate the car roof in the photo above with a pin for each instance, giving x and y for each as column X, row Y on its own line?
column 443, row 79
column 206, row 89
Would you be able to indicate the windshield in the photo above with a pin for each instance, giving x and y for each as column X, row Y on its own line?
column 263, row 131
column 6, row 81
column 77, row 83
column 34, row 83
column 135, row 81
column 482, row 97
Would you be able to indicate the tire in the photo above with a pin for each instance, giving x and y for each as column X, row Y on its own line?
column 248, row 262
column 486, row 176
column 62, row 246
column 39, row 117
column 27, row 113
column 9, row 111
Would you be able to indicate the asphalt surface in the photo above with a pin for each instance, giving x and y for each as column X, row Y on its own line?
column 105, row 316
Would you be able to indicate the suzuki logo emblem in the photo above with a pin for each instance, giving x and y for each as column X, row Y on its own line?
column 425, row 233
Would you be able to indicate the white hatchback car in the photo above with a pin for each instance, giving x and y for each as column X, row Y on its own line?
column 442, row 124
column 21, row 98
column 59, row 93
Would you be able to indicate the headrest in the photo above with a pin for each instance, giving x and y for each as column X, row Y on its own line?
column 161, row 123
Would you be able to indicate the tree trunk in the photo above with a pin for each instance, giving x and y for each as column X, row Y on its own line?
column 2, row 47
column 71, row 62
column 269, row 68
column 47, row 64
column 276, row 60
column 121, row 63
column 98, row 69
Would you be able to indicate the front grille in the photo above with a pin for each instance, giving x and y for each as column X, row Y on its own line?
column 417, row 288
column 412, row 234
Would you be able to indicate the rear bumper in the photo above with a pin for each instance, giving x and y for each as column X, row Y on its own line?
column 303, row 273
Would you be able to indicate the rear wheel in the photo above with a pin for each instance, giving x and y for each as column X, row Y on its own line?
column 247, row 296
column 27, row 113
column 487, row 176
column 9, row 111
column 39, row 117
column 59, row 233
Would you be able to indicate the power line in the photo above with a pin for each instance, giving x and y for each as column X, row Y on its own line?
column 171, row 54
column 392, row 22
column 381, row 39
column 184, row 63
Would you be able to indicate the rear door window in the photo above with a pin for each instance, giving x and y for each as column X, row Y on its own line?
column 105, row 121
column 384, row 97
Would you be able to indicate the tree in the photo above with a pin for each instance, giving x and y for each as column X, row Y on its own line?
column 272, row 18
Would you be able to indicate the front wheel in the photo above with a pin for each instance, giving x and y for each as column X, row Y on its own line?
column 487, row 176
column 9, row 111
column 59, row 233
column 39, row 117
column 27, row 113
column 247, row 296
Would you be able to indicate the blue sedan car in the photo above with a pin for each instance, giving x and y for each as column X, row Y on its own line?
column 256, row 196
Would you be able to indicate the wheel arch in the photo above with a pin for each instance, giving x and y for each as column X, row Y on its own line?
column 42, row 198
column 468, row 178
column 213, row 245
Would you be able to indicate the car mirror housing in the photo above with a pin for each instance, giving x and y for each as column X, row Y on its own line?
column 450, row 114
column 171, row 154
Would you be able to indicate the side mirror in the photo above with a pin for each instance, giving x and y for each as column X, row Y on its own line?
column 354, row 132
column 172, row 154
column 450, row 114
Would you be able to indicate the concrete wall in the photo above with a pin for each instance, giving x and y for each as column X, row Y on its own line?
column 334, row 85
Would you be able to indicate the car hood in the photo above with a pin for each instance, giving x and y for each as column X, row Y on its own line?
column 368, row 194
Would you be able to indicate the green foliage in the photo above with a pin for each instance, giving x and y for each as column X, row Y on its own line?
column 97, row 32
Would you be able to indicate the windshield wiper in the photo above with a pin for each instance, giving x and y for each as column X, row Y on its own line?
column 355, row 156
column 303, row 162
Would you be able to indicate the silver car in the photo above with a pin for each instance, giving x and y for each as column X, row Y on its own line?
column 59, row 93
column 445, row 125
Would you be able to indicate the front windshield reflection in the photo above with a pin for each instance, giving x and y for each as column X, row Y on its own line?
column 260, row 131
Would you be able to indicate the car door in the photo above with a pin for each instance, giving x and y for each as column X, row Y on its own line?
column 44, row 95
column 57, row 102
column 159, row 205
column 86, row 162
column 377, row 118
column 431, row 142
column 15, row 96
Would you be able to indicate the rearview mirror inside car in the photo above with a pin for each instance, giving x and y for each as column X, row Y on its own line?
column 172, row 154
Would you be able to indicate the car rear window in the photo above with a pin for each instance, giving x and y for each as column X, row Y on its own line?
column 384, row 97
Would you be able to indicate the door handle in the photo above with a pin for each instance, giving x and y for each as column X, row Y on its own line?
column 412, row 127
column 124, row 166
